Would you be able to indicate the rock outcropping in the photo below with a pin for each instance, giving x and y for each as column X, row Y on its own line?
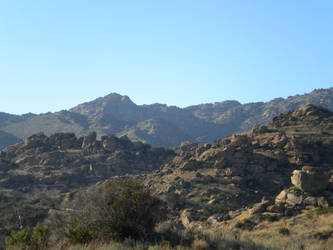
column 39, row 173
column 218, row 179
column 310, row 179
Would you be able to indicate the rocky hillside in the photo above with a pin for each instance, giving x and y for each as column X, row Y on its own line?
column 41, row 171
column 158, row 124
column 256, row 180
column 212, row 182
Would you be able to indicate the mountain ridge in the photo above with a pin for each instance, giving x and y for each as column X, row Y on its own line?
column 119, row 115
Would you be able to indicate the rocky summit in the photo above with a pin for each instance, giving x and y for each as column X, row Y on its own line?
column 64, row 161
column 274, row 170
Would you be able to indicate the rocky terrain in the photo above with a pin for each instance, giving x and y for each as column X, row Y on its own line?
column 156, row 124
column 274, row 179
column 39, row 173
column 271, row 172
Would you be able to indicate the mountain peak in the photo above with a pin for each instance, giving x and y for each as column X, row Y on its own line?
column 112, row 101
column 115, row 97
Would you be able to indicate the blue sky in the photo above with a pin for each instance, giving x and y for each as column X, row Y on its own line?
column 56, row 54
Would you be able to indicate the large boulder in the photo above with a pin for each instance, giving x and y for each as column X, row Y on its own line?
column 290, row 197
column 310, row 179
column 187, row 216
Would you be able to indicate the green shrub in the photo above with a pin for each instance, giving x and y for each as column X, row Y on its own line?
column 271, row 218
column 40, row 236
column 38, row 239
column 321, row 211
column 22, row 237
column 119, row 209
column 245, row 225
column 78, row 233
column 324, row 235
column 284, row 231
column 226, row 217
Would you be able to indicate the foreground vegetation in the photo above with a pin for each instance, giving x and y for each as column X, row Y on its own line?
column 122, row 214
column 191, row 239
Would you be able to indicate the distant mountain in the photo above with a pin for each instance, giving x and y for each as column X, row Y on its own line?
column 7, row 139
column 158, row 124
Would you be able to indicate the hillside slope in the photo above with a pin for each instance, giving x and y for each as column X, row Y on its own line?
column 212, row 181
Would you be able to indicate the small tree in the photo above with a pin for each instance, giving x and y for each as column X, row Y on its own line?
column 117, row 210
column 21, row 237
column 78, row 233
column 37, row 239
column 40, row 236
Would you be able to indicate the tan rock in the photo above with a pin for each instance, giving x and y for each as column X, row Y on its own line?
column 281, row 197
column 309, row 181
column 294, row 199
column 186, row 217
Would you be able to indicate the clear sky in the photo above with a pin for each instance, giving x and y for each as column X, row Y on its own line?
column 56, row 54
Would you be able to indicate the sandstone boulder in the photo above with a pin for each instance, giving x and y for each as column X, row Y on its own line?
column 289, row 197
column 281, row 197
column 187, row 216
column 309, row 180
column 294, row 199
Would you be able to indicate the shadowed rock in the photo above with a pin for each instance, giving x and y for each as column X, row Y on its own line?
column 310, row 180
